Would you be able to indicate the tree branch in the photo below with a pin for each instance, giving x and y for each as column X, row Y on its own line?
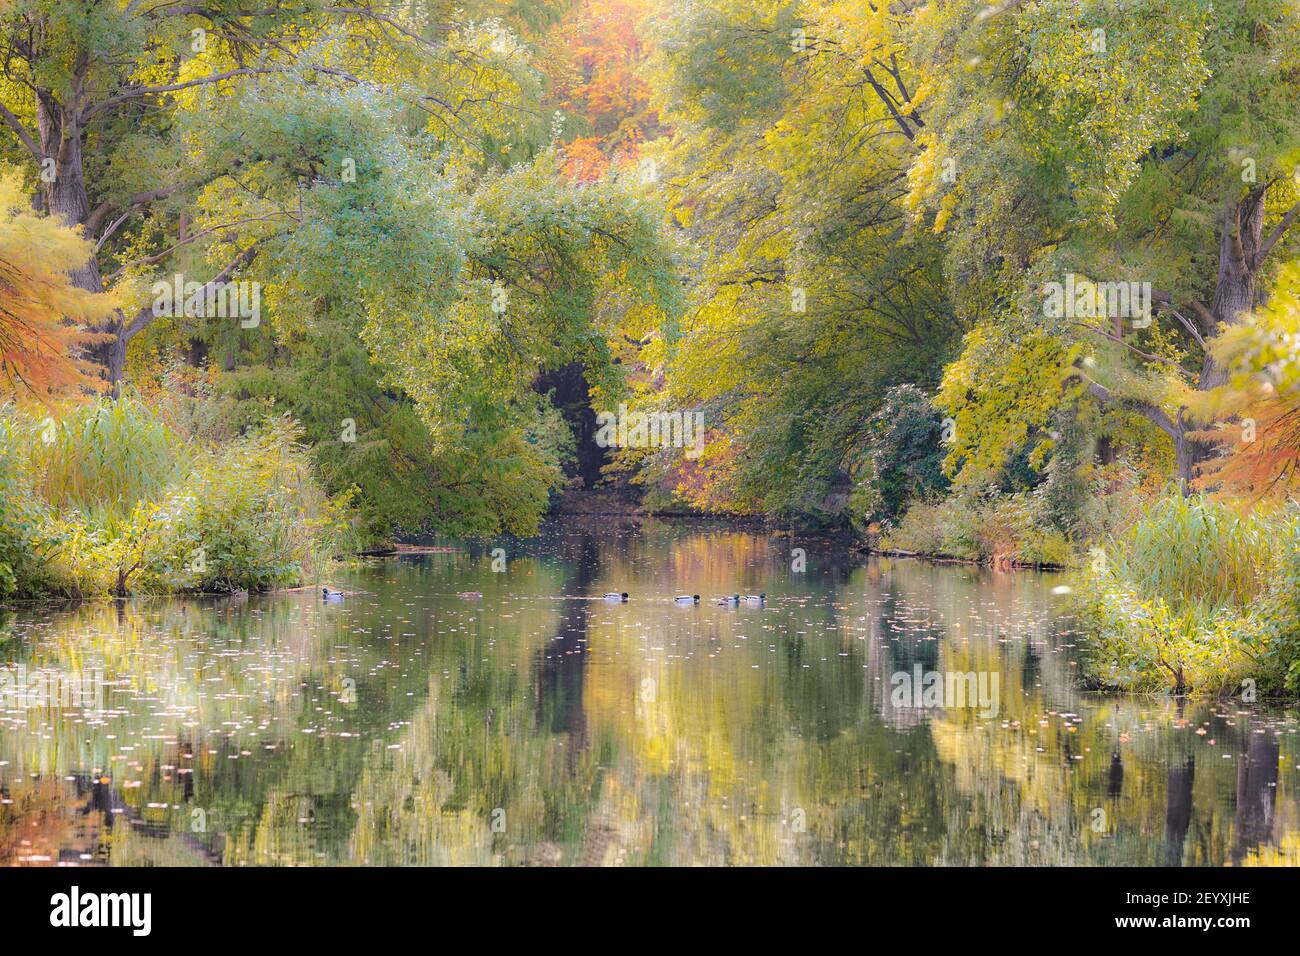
column 888, row 100
column 142, row 318
column 137, row 92
column 1267, row 246
column 1154, row 413
column 1112, row 337
column 16, row 125
column 1209, row 324
column 100, row 212
column 159, row 256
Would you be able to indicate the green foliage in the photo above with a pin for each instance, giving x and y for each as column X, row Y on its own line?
column 381, row 171
column 1190, row 550
column 905, row 454
column 982, row 526
column 22, row 515
column 809, row 299
column 1068, row 489
column 104, row 455
column 1195, row 596
column 408, row 289
column 1104, row 140
column 552, row 271
column 364, row 436
column 250, row 518
column 241, row 514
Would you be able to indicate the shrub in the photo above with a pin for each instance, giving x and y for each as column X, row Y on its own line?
column 981, row 527
column 1195, row 596
column 109, row 500
column 21, row 518
column 905, row 455
column 248, row 518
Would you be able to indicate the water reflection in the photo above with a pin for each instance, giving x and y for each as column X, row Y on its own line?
column 406, row 725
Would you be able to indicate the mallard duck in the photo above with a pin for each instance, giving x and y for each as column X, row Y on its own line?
column 330, row 594
column 755, row 599
column 731, row 601
column 613, row 596
column 470, row 595
column 687, row 599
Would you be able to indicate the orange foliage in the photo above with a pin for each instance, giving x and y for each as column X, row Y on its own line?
column 599, row 80
column 43, row 316
column 583, row 160
column 1260, row 452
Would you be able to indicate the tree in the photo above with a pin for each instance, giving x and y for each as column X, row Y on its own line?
column 381, row 182
column 906, row 452
column 793, row 132
column 1150, row 142
column 44, row 317
column 116, row 104
column 1258, row 408
column 599, row 49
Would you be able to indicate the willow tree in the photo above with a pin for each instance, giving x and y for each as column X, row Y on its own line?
column 794, row 128
column 116, row 104
column 1155, row 142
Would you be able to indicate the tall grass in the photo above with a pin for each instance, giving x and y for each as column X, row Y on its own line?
column 109, row 499
column 104, row 456
column 1196, row 596
column 1193, row 550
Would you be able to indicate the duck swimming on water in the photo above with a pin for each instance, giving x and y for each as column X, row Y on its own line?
column 613, row 596
column 754, row 600
column 687, row 599
column 331, row 595
column 731, row 601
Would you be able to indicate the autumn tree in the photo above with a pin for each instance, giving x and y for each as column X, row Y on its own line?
column 597, row 58
column 44, row 316
column 794, row 127
column 117, row 105
column 1152, row 142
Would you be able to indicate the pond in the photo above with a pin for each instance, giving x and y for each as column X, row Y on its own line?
column 868, row 711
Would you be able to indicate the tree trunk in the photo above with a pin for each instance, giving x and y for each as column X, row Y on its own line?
column 1235, row 292
column 65, row 195
column 1185, row 457
column 1235, row 295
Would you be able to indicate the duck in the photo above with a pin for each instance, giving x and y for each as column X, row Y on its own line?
column 754, row 600
column 470, row 595
column 330, row 594
column 613, row 596
column 687, row 599
column 731, row 601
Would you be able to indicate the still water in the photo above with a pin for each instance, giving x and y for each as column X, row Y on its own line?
column 540, row 725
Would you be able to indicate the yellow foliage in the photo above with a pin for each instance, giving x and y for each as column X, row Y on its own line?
column 43, row 316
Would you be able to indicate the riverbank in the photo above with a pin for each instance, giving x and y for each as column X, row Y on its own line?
column 118, row 497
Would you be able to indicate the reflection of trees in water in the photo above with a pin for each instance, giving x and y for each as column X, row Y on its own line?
column 1257, row 771
column 562, row 661
column 465, row 709
column 899, row 647
column 1178, row 809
